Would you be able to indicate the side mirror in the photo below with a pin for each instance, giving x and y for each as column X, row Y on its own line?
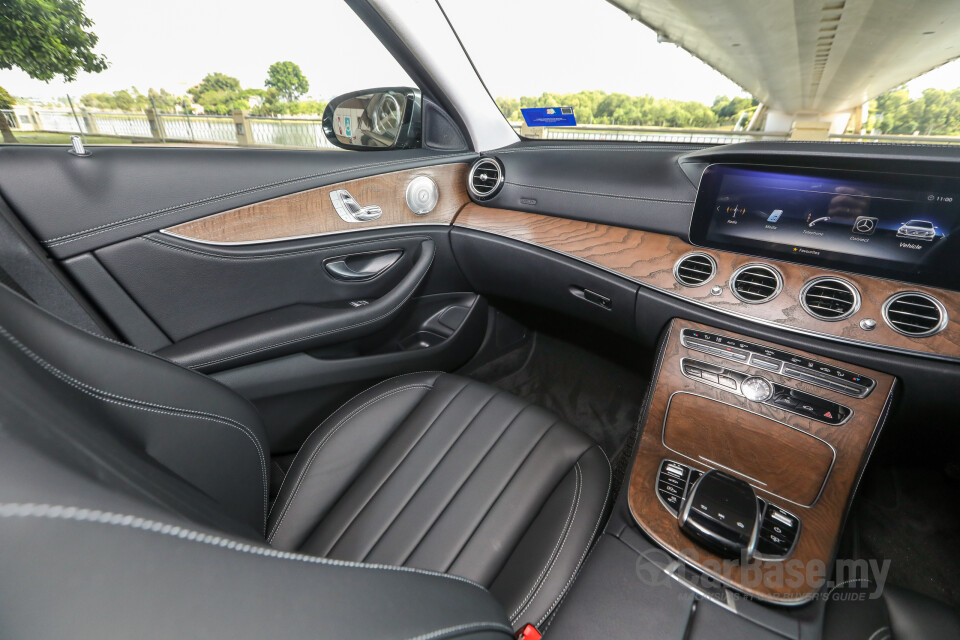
column 374, row 119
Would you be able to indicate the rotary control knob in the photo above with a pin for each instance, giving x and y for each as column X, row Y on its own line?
column 757, row 389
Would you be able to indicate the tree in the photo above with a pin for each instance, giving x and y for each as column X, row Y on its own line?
column 46, row 39
column 289, row 81
column 6, row 102
column 214, row 82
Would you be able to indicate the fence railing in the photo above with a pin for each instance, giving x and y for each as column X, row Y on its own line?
column 241, row 128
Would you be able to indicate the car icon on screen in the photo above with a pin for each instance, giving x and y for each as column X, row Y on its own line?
column 917, row 230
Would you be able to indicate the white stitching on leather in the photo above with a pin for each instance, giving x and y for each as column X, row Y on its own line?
column 97, row 516
column 326, row 438
column 557, row 548
column 602, row 195
column 322, row 333
column 465, row 628
column 881, row 630
column 92, row 231
column 141, row 405
column 576, row 569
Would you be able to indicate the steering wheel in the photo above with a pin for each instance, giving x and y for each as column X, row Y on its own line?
column 386, row 116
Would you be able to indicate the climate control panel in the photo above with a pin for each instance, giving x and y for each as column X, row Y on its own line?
column 759, row 389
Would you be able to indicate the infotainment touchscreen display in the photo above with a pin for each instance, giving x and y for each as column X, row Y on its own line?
column 905, row 227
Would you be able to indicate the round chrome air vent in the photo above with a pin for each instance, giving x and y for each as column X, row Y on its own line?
column 485, row 178
column 694, row 269
column 756, row 283
column 830, row 299
column 915, row 314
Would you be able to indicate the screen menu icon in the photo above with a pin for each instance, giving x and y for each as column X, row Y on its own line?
column 865, row 225
column 775, row 215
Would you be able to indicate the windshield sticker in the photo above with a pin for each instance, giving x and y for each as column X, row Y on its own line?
column 549, row 117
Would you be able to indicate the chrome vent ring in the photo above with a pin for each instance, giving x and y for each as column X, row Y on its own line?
column 830, row 299
column 915, row 314
column 694, row 269
column 756, row 283
column 485, row 178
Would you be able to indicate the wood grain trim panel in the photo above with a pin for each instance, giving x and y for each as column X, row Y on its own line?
column 311, row 213
column 648, row 258
column 822, row 521
column 767, row 451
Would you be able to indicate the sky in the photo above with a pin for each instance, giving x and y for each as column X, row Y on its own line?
column 521, row 47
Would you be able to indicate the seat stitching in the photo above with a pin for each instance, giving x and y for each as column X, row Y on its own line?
column 340, row 408
column 326, row 438
column 398, row 464
column 429, row 475
column 322, row 333
column 590, row 540
column 496, row 499
column 137, row 523
column 557, row 548
column 465, row 628
column 77, row 235
column 464, row 482
column 150, row 407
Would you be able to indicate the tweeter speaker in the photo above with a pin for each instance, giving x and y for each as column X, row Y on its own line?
column 422, row 195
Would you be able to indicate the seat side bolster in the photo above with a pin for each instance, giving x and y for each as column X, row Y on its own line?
column 548, row 557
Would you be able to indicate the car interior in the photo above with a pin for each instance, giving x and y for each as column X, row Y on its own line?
column 437, row 388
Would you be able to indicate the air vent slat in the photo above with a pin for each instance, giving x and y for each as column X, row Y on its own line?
column 486, row 178
column 756, row 283
column 830, row 299
column 694, row 269
column 914, row 314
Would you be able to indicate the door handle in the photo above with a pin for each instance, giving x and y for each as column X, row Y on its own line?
column 350, row 210
column 362, row 266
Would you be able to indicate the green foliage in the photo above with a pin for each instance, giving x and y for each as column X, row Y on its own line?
column 6, row 100
column 48, row 38
column 214, row 82
column 935, row 112
column 287, row 80
column 599, row 107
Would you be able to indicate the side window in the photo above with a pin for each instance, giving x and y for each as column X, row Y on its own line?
column 198, row 73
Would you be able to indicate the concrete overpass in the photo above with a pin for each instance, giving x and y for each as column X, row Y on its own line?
column 809, row 61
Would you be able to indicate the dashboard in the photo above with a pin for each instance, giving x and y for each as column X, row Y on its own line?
column 889, row 225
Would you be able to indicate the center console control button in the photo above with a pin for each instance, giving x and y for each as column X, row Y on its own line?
column 759, row 389
column 769, row 359
column 756, row 389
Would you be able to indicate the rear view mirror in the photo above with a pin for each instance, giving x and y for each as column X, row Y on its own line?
column 373, row 119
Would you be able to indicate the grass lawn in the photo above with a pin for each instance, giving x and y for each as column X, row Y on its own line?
column 42, row 137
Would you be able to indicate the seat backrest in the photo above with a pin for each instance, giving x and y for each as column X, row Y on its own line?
column 140, row 416
column 132, row 495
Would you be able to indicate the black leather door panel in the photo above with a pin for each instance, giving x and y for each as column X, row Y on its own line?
column 188, row 288
column 73, row 205
column 300, row 327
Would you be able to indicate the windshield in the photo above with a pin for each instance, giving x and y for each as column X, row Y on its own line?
column 649, row 70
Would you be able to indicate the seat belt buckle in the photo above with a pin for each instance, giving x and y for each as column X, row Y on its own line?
column 529, row 632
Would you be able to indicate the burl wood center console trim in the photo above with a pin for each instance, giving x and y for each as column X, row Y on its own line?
column 764, row 429
column 765, row 452
column 649, row 258
column 311, row 213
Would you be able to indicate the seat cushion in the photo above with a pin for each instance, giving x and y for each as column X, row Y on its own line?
column 440, row 472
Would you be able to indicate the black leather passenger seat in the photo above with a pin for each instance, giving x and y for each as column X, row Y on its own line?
column 133, row 502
